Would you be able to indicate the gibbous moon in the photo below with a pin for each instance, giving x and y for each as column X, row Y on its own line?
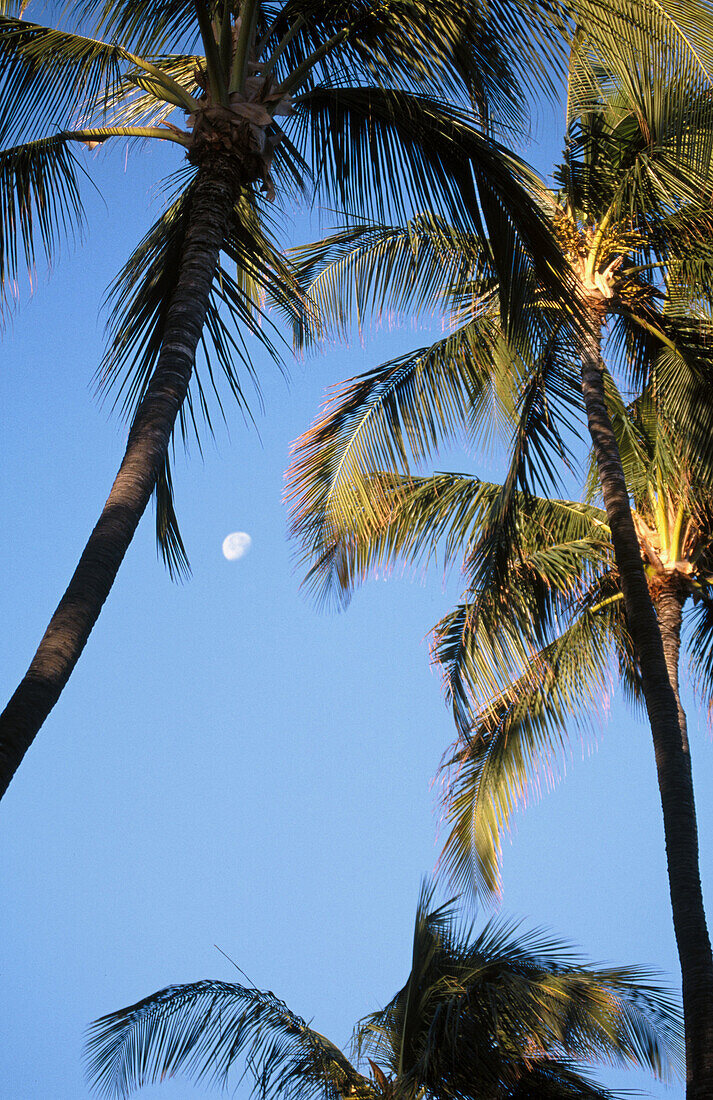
column 236, row 545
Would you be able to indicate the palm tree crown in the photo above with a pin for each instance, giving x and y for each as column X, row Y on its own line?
column 492, row 1016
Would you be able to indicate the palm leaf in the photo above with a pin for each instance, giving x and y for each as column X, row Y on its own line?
column 201, row 1030
column 39, row 203
column 388, row 154
column 144, row 26
column 397, row 270
column 382, row 421
column 139, row 300
column 518, row 736
column 49, row 76
column 139, row 101
column 478, row 1012
column 547, row 411
column 169, row 540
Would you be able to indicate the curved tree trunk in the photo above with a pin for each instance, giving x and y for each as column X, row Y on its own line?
column 670, row 747
column 72, row 622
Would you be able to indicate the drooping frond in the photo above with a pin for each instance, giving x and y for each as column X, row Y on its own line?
column 169, row 540
column 517, row 737
column 202, row 1030
column 48, row 77
column 390, row 270
column 388, row 154
column 656, row 53
column 139, row 300
column 139, row 100
column 40, row 203
column 548, row 408
column 382, row 421
column 141, row 293
column 145, row 26
column 670, row 353
column 699, row 646
column 440, row 518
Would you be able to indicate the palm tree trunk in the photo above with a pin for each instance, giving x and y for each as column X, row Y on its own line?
column 669, row 598
column 72, row 622
column 672, row 760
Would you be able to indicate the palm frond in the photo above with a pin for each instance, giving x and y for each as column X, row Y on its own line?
column 670, row 352
column 144, row 26
column 479, row 1012
column 169, row 540
column 201, row 1030
column 388, row 154
column 369, row 268
column 139, row 300
column 49, row 76
column 699, row 647
column 39, row 204
column 384, row 420
column 138, row 100
column 518, row 736
column 547, row 412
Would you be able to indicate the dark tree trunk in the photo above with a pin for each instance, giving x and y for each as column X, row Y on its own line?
column 669, row 597
column 670, row 748
column 147, row 445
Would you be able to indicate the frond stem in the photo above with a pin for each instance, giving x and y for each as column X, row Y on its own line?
column 164, row 80
column 596, row 242
column 282, row 45
column 676, row 547
column 302, row 71
column 216, row 76
column 246, row 35
column 101, row 133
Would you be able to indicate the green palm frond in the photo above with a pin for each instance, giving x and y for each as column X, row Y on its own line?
column 480, row 1015
column 669, row 352
column 49, row 76
column 383, row 421
column 517, row 737
column 548, row 409
column 369, row 144
column 451, row 48
column 140, row 100
column 389, row 269
column 169, row 541
column 145, row 26
column 699, row 647
column 201, row 1030
column 139, row 300
column 388, row 154
column 442, row 513
column 478, row 1011
column 558, row 1082
column 636, row 40
column 39, row 203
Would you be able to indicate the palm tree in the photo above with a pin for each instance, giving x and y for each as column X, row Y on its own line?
column 373, row 99
column 629, row 218
column 495, row 1016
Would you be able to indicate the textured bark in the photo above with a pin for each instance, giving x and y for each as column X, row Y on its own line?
column 670, row 747
column 72, row 622
column 669, row 597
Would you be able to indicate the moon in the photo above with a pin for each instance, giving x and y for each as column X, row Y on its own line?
column 236, row 545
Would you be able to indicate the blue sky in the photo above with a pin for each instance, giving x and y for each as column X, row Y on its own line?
column 229, row 765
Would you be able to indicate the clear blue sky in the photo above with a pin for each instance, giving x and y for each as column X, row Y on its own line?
column 228, row 765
